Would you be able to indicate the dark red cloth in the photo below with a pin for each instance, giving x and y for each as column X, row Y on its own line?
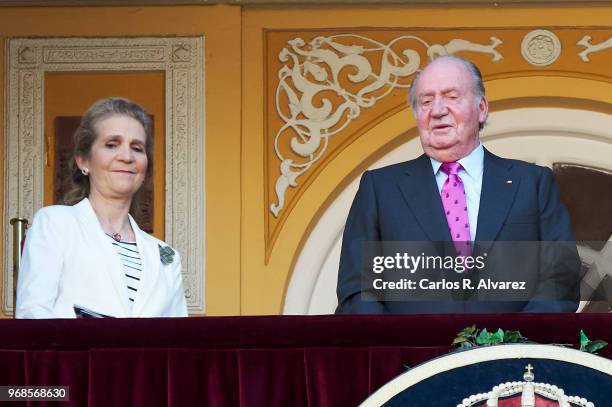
column 247, row 361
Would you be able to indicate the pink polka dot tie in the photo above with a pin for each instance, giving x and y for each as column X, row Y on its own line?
column 455, row 208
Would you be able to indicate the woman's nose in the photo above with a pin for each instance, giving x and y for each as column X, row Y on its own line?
column 126, row 154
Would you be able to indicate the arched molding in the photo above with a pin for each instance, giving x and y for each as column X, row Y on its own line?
column 182, row 61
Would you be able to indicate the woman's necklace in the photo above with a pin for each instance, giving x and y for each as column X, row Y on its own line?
column 116, row 235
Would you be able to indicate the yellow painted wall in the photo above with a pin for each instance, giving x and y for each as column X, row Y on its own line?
column 239, row 277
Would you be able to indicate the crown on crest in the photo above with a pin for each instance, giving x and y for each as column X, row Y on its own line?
column 527, row 390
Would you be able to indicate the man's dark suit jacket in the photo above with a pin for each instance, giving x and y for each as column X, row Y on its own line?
column 401, row 202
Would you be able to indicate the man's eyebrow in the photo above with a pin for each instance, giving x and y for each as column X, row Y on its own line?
column 428, row 93
column 432, row 92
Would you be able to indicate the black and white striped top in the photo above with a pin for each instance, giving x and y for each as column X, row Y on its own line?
column 132, row 266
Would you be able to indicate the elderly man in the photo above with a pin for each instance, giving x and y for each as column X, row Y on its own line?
column 456, row 192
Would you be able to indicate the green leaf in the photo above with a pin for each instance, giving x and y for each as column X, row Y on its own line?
column 497, row 337
column 467, row 332
column 584, row 340
column 513, row 337
column 471, row 336
column 483, row 338
column 460, row 339
column 594, row 346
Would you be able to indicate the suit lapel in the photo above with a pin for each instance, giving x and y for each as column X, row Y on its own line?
column 418, row 187
column 151, row 263
column 499, row 187
column 111, row 262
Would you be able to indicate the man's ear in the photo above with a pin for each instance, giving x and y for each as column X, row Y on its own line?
column 483, row 110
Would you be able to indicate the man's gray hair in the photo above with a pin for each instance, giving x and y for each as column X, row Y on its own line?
column 478, row 85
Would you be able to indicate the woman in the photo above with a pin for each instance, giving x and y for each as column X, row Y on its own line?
column 91, row 255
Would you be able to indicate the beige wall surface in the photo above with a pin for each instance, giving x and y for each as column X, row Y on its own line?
column 251, row 252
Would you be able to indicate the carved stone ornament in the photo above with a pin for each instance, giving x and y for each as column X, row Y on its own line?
column 311, row 72
column 540, row 47
column 591, row 48
column 182, row 60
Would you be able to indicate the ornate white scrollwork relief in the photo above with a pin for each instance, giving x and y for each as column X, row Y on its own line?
column 182, row 60
column 540, row 47
column 591, row 48
column 315, row 104
column 314, row 70
column 458, row 45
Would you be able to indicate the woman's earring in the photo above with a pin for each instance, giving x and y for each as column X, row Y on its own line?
column 85, row 171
